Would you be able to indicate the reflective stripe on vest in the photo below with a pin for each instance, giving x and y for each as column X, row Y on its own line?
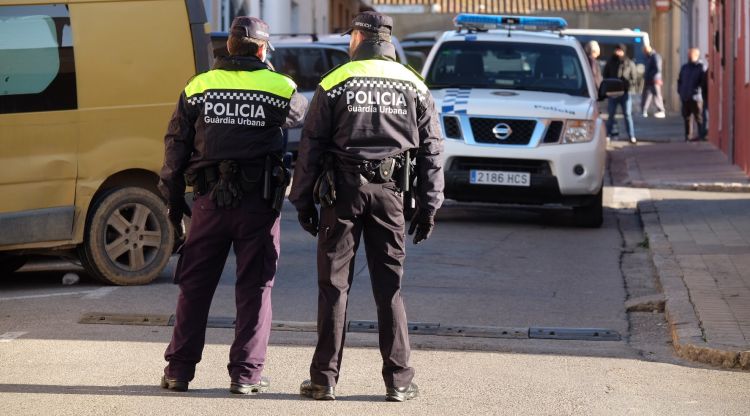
column 260, row 80
column 372, row 68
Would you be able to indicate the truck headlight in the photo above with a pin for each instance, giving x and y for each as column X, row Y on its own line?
column 578, row 131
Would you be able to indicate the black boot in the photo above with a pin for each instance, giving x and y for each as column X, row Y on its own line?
column 173, row 384
column 401, row 394
column 316, row 391
column 260, row 387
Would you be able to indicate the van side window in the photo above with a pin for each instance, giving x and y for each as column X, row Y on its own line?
column 37, row 69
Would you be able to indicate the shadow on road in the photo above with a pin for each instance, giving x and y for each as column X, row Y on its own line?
column 548, row 216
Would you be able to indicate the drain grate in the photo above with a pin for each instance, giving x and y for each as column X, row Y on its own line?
column 575, row 334
column 420, row 328
column 292, row 326
column 415, row 328
column 126, row 319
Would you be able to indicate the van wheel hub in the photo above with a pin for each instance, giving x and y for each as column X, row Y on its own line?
column 132, row 236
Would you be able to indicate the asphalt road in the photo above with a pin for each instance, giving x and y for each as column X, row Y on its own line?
column 484, row 266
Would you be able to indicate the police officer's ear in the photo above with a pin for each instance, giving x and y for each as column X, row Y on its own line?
column 356, row 38
column 262, row 51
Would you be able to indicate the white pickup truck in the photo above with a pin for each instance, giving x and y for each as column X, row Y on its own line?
column 519, row 113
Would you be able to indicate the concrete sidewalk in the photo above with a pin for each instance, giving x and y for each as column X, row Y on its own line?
column 697, row 219
column 120, row 377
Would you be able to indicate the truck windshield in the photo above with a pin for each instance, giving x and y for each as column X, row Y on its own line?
column 508, row 65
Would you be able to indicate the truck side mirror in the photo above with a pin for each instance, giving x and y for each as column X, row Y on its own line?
column 611, row 88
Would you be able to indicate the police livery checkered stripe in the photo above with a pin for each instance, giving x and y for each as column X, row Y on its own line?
column 196, row 99
column 375, row 83
column 246, row 96
column 456, row 100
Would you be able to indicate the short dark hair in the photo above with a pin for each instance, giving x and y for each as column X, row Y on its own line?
column 376, row 37
column 238, row 45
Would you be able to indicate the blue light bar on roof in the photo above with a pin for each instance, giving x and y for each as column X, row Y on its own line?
column 489, row 21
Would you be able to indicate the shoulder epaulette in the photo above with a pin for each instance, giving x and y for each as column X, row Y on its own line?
column 333, row 69
column 421, row 78
column 283, row 74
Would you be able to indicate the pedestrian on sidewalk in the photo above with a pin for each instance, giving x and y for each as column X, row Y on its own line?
column 652, row 83
column 690, row 85
column 620, row 66
column 224, row 137
column 703, row 133
column 593, row 52
column 365, row 151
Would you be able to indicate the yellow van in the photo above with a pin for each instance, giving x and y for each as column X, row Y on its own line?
column 87, row 88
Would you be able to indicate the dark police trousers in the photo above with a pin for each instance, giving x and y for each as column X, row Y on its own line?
column 253, row 229
column 375, row 211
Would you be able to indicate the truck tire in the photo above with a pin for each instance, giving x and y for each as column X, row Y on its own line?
column 10, row 263
column 128, row 238
column 591, row 214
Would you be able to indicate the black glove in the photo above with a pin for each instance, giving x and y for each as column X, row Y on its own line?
column 309, row 221
column 226, row 192
column 422, row 222
column 175, row 210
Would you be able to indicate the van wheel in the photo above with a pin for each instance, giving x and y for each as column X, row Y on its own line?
column 10, row 263
column 128, row 238
column 590, row 215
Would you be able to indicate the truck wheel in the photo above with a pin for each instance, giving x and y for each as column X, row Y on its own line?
column 128, row 238
column 590, row 215
column 10, row 263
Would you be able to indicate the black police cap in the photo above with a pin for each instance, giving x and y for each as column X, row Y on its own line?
column 251, row 27
column 371, row 22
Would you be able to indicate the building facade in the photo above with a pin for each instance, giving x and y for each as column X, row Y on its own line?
column 729, row 78
column 285, row 16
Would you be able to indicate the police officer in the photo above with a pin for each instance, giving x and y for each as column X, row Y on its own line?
column 225, row 139
column 366, row 119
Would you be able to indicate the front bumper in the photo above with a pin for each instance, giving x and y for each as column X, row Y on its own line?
column 559, row 173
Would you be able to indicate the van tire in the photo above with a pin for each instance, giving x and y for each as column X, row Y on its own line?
column 591, row 214
column 128, row 238
column 10, row 263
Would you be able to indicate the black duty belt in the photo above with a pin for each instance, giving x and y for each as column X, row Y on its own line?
column 204, row 179
column 380, row 171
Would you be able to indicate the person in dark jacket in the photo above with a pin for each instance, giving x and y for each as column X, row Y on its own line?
column 690, row 85
column 365, row 120
column 652, row 83
column 622, row 67
column 592, row 52
column 224, row 134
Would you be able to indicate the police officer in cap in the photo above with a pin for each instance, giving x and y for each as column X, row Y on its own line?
column 366, row 120
column 225, row 139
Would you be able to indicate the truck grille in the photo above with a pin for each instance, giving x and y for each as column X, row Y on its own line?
column 537, row 167
column 553, row 132
column 522, row 130
column 452, row 128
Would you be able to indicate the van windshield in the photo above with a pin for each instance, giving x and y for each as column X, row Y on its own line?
column 508, row 65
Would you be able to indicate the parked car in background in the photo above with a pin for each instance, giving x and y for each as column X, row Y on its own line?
column 343, row 42
column 84, row 104
column 301, row 58
column 418, row 45
column 519, row 115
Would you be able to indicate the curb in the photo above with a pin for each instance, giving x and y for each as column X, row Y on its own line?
column 735, row 187
column 687, row 334
column 635, row 180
